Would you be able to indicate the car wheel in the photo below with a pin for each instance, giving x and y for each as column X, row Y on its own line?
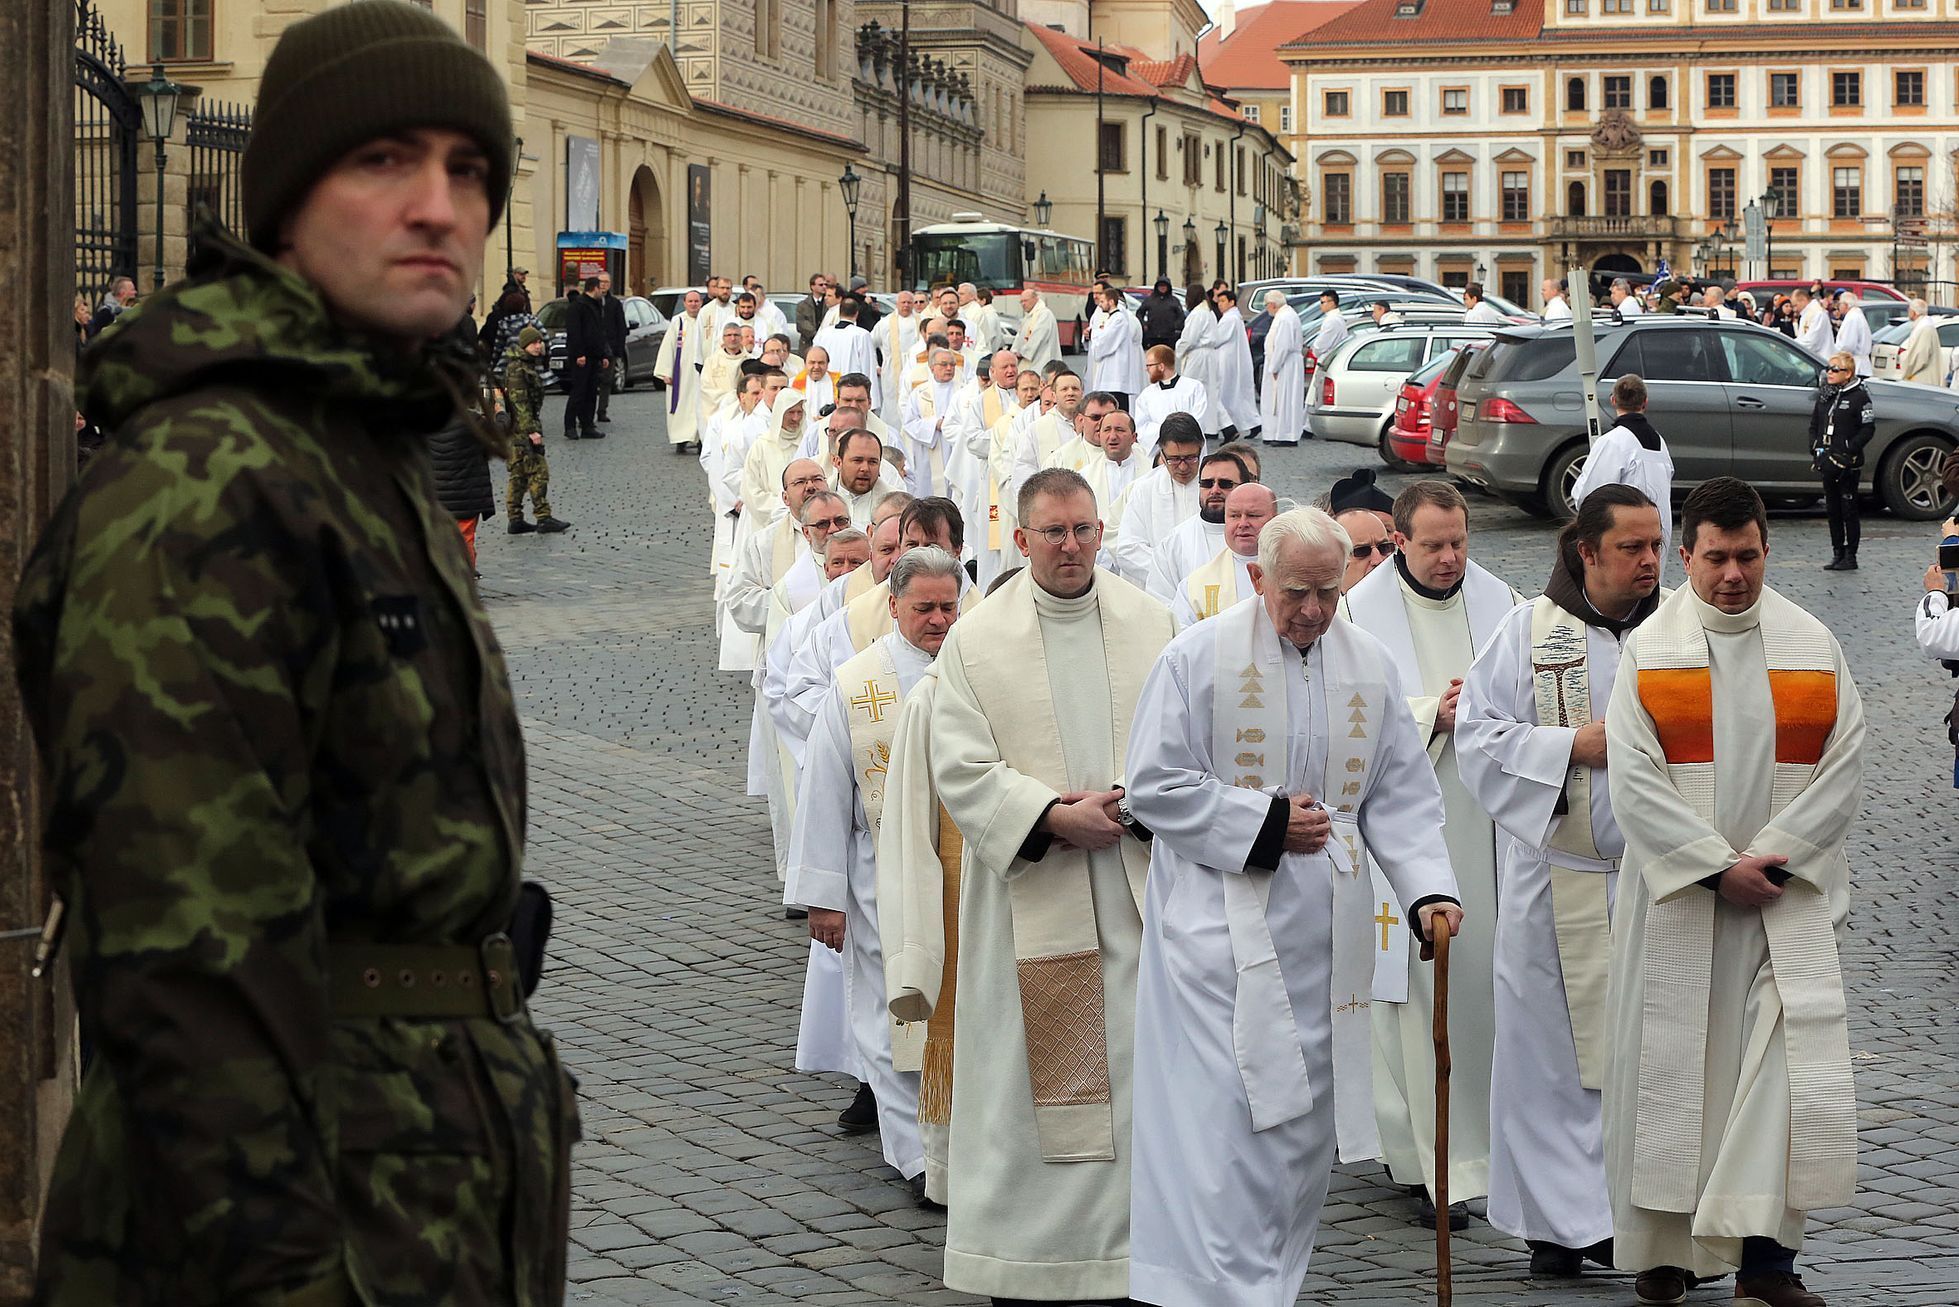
column 1909, row 483
column 1560, row 476
column 1394, row 461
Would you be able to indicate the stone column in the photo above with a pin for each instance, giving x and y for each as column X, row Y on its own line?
column 37, row 460
column 176, row 195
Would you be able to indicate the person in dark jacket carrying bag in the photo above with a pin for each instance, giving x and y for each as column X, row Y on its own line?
column 585, row 350
column 612, row 372
column 1840, row 426
column 462, row 478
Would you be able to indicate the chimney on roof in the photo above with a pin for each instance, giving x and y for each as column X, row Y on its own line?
column 1227, row 20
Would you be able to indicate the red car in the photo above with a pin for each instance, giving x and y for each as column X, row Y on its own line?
column 1409, row 445
column 1765, row 290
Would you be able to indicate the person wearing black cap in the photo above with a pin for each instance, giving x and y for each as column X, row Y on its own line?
column 1364, row 510
column 281, row 741
column 1162, row 317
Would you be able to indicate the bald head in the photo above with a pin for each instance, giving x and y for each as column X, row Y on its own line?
column 1246, row 511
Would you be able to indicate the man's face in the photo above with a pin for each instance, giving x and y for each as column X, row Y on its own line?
column 1118, row 434
column 859, row 465
column 885, row 545
column 801, row 479
column 126, row 293
column 1027, row 387
column 1618, row 293
column 771, row 387
column 1329, row 304
column 846, row 558
column 905, row 303
column 775, row 353
column 817, row 361
column 1302, row 594
column 1378, row 312
column 747, row 339
column 824, row 517
column 967, row 294
column 1180, row 459
column 1005, row 370
column 535, row 349
column 1625, row 567
column 753, row 286
column 1548, row 289
column 956, row 335
column 792, row 419
column 745, row 309
column 1438, row 551
column 1089, row 422
column 1246, row 511
column 816, row 287
column 949, row 302
column 1214, row 485
column 1726, row 568
column 1027, row 301
column 926, row 611
column 1158, row 370
column 917, row 535
column 1373, row 545
column 605, row 283
column 1068, row 396
column 693, row 302
column 857, row 397
column 393, row 233
column 1066, row 569
column 944, row 363
column 731, row 339
column 522, row 276
column 750, row 394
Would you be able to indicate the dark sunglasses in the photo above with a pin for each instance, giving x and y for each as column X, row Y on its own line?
column 1210, row 483
column 1382, row 547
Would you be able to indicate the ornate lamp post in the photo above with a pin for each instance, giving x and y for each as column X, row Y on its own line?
column 1162, row 224
column 849, row 184
column 1222, row 232
column 1043, row 210
column 160, row 96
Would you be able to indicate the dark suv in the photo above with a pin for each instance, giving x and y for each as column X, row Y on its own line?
column 1731, row 398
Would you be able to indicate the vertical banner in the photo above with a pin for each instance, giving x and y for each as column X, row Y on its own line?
column 581, row 184
column 700, row 252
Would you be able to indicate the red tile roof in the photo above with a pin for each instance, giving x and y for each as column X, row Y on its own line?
column 1164, row 72
column 1247, row 59
column 1077, row 59
column 1440, row 22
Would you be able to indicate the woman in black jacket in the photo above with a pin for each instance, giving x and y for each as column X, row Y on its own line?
column 1840, row 426
column 462, row 479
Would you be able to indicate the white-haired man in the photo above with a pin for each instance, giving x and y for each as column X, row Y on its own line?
column 926, row 410
column 1923, row 361
column 1282, row 402
column 1854, row 332
column 1266, row 744
column 1038, row 342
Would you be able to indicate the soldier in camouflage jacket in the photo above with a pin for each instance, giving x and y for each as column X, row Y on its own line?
column 284, row 774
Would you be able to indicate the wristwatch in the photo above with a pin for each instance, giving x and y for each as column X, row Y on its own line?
column 1124, row 818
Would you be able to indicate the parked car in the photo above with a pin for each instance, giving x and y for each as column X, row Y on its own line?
column 1354, row 305
column 1731, row 397
column 1352, row 396
column 1888, row 343
column 1768, row 288
column 667, row 298
column 1445, row 409
column 1405, row 447
column 645, row 324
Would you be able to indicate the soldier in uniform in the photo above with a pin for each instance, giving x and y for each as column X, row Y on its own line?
column 530, row 470
column 284, row 772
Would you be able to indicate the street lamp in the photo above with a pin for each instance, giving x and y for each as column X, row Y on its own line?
column 1482, row 271
column 1162, row 243
column 1222, row 232
column 1043, row 210
column 849, row 184
column 1771, row 210
column 160, row 96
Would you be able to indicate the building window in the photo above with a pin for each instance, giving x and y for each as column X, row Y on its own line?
column 1394, row 198
column 1162, row 154
column 1656, row 199
column 1515, row 285
column 1841, row 6
column 1574, row 158
column 1455, row 197
column 1786, row 182
column 1616, row 93
column 1285, row 117
column 1618, row 192
column 1251, row 113
column 1720, row 90
column 1908, row 198
column 1574, row 95
column 1336, row 105
column 1615, row 6
column 1574, row 200
column 1720, row 6
column 1337, row 197
column 1576, row 8
column 1516, row 99
column 1656, row 93
column 1720, row 193
column 1846, row 90
column 476, row 22
column 1785, row 91
column 1910, row 88
column 826, row 40
column 1394, row 104
column 1847, row 192
column 1659, row 6
column 1455, row 101
column 181, row 30
column 1907, row 4
column 1193, row 161
column 1516, row 198
column 1114, row 148
column 1657, row 158
column 1114, row 254
column 1786, row 6
column 1218, row 160
column 1239, row 161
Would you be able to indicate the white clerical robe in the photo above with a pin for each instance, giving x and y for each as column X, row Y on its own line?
column 1617, row 458
column 1149, row 510
column 683, row 384
column 1184, row 607
column 1111, row 480
column 968, row 433
column 1225, row 1208
column 1038, row 342
column 1160, row 399
column 1282, row 401
column 833, row 865
column 821, row 392
column 982, row 414
column 1434, row 641
column 897, row 341
column 1037, row 444
column 1236, row 395
column 926, row 448
column 1814, row 332
column 1115, row 354
column 852, row 349
column 1333, row 330
column 1854, row 339
column 720, row 370
column 1759, row 751
column 723, row 499
column 1547, row 1151
column 1039, row 1154
column 1189, row 545
column 862, row 507
column 1197, row 361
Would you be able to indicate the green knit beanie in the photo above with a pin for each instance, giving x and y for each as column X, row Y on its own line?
column 356, row 72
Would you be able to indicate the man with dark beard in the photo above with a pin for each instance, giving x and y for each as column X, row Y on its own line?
column 1197, row 541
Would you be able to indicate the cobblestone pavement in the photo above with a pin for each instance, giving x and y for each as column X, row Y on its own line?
column 711, row 1172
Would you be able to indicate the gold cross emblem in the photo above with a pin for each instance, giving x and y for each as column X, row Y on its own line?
column 873, row 701
column 1353, row 1004
column 1385, row 921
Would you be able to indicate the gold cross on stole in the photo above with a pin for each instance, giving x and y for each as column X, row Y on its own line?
column 1386, row 920
column 873, row 701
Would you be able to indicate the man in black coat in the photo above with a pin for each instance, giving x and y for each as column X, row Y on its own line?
column 811, row 308
column 1162, row 318
column 612, row 373
column 585, row 351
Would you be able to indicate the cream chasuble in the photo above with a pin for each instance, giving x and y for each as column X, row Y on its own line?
column 1213, row 588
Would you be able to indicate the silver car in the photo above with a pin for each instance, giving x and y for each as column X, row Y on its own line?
column 1732, row 399
column 1351, row 396
column 1888, row 344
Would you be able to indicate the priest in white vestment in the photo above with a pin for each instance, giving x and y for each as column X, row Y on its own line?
column 1226, row 579
column 1436, row 610
column 1631, row 452
column 724, row 441
column 1332, row 333
column 1167, row 393
column 1118, row 463
column 849, row 348
column 1282, row 398
column 992, row 545
column 1027, row 756
column 1048, row 432
column 720, row 369
column 1085, row 446
column 833, row 863
column 978, row 472
column 896, row 337
column 1267, row 744
column 1159, row 501
column 761, row 484
column 1736, row 739
column 1115, row 351
column 768, row 552
column 674, row 366
column 1197, row 356
column 1236, row 392
column 1530, row 739
column 862, row 476
column 798, row 671
column 925, row 411
column 1038, row 342
column 1196, row 540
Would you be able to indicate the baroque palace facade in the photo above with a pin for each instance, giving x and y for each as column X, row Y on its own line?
column 1507, row 140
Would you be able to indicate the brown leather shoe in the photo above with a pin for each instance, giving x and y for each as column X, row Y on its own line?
column 1777, row 1289
column 1663, row 1286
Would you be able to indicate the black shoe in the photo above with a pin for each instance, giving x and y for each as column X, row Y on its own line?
column 1842, row 563
column 1425, row 1210
column 1663, row 1286
column 602, row 417
column 519, row 527
column 918, row 1195
column 551, row 525
column 795, row 914
column 1777, row 1289
column 1600, row 1252
column 860, row 1118
column 570, row 434
column 593, row 433
column 1554, row 1260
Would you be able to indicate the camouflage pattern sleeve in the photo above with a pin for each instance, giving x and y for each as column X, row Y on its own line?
column 521, row 391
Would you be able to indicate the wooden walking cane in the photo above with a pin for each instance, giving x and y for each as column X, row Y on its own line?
column 1438, row 949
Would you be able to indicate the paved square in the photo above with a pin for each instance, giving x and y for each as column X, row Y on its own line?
column 711, row 1172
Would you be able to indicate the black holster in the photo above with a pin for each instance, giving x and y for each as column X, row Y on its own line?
column 530, row 931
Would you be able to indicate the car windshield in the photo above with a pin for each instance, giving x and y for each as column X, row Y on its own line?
column 552, row 316
column 1461, row 360
column 1508, row 308
column 949, row 258
column 1434, row 367
column 1892, row 334
column 1514, row 358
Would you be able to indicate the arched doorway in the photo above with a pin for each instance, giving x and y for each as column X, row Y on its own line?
column 1617, row 265
column 645, row 234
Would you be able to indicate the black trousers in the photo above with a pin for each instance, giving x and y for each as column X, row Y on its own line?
column 1840, row 497
column 607, row 383
column 581, row 396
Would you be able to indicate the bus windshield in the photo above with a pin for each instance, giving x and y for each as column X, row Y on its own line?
column 985, row 258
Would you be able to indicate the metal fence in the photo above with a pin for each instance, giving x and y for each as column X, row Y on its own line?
column 107, row 123
column 217, row 133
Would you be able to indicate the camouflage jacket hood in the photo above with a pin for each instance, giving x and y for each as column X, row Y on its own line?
column 240, row 319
